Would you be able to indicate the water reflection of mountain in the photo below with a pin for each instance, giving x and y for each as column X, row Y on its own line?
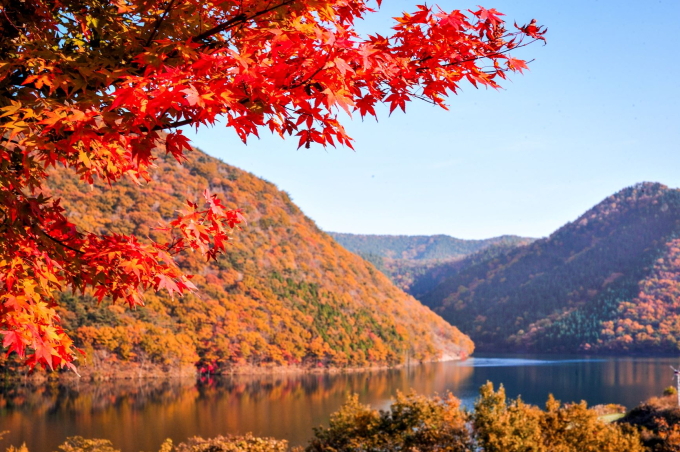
column 139, row 415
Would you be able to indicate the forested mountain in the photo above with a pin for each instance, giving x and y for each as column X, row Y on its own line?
column 416, row 263
column 284, row 293
column 609, row 281
column 429, row 276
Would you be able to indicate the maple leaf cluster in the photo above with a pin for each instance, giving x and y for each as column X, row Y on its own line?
column 100, row 86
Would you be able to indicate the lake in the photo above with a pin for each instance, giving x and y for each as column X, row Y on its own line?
column 139, row 415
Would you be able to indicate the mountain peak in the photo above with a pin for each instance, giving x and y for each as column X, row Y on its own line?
column 599, row 283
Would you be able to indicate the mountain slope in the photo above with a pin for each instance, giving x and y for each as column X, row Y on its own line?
column 610, row 281
column 415, row 263
column 430, row 276
column 283, row 294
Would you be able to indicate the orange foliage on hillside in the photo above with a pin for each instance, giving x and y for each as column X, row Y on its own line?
column 285, row 293
column 652, row 318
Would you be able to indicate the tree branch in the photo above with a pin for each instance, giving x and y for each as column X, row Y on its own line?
column 60, row 242
column 172, row 125
column 158, row 23
column 239, row 18
column 489, row 55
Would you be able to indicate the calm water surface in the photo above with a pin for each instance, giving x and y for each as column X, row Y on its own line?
column 139, row 415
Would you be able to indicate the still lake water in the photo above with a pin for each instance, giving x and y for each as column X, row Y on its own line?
column 139, row 415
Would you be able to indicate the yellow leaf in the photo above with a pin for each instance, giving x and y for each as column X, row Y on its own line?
column 10, row 109
column 84, row 159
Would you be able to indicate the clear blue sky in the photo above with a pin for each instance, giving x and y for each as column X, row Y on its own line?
column 598, row 111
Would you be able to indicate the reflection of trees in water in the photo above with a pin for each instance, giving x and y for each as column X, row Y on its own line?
column 374, row 385
column 52, row 398
column 426, row 379
column 140, row 414
column 79, row 397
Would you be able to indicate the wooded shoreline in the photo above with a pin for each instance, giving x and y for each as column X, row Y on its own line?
column 131, row 371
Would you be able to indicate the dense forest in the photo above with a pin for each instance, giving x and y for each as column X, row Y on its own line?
column 285, row 293
column 609, row 281
column 414, row 262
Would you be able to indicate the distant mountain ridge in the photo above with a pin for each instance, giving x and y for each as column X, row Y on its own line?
column 416, row 263
column 439, row 247
column 434, row 274
column 607, row 282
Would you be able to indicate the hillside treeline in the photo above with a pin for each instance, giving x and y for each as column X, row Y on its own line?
column 284, row 294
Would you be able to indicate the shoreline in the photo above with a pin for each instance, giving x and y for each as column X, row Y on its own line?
column 590, row 354
column 131, row 372
column 128, row 372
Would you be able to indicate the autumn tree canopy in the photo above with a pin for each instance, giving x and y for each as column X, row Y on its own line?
column 100, row 86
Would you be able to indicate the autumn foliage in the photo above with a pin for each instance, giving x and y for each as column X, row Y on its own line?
column 100, row 87
column 285, row 294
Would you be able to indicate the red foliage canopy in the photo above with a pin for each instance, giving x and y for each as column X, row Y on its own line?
column 99, row 86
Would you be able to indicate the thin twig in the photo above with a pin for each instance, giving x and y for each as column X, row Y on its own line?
column 158, row 23
column 489, row 55
column 9, row 20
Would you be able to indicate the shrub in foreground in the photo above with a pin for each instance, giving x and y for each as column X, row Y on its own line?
column 247, row 443
column 500, row 426
column 412, row 423
column 658, row 421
